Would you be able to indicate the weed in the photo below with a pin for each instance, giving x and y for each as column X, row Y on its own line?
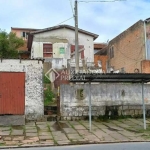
column 48, row 96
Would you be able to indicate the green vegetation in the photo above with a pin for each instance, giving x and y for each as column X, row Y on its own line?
column 45, row 79
column 48, row 96
column 9, row 43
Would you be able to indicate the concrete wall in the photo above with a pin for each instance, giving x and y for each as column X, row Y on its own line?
column 102, row 95
column 62, row 35
column 34, row 103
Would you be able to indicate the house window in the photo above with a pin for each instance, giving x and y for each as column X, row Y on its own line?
column 111, row 52
column 81, row 51
column 24, row 35
column 47, row 50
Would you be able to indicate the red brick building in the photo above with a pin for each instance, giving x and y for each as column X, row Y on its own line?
column 100, row 55
column 130, row 51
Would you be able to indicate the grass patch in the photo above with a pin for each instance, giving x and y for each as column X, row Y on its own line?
column 2, row 144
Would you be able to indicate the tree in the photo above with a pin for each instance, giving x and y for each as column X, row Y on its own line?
column 9, row 43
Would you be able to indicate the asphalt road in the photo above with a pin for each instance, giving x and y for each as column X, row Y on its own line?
column 116, row 146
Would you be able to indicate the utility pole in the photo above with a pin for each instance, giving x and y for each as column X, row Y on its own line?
column 76, row 38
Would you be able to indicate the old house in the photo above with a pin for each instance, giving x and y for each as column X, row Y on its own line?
column 59, row 41
column 57, row 46
column 130, row 51
column 22, row 33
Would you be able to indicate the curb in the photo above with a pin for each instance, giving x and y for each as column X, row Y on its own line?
column 83, row 143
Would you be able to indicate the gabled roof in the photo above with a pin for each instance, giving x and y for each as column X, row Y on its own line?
column 68, row 27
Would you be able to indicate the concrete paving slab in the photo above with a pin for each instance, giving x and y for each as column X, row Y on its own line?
column 119, row 137
column 31, row 130
column 100, row 134
column 66, row 124
column 60, row 138
column 45, row 126
column 136, row 121
column 123, row 125
column 17, row 132
column 107, row 138
column 45, row 137
column 47, row 142
column 50, row 123
column 91, row 137
column 18, row 138
column 2, row 142
column 69, row 130
column 79, row 127
column 130, row 123
column 2, row 133
column 57, row 133
column 63, row 142
column 30, row 127
column 108, row 131
column 30, row 124
column 44, row 133
column 7, row 138
column 10, row 143
column 87, row 126
column 99, row 125
column 74, row 122
column 85, row 132
column 31, row 134
column 74, row 136
column 116, row 122
column 26, row 142
column 33, row 139
column 127, row 133
column 4, row 128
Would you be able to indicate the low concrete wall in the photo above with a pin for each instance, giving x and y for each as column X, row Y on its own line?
column 34, row 103
column 110, row 94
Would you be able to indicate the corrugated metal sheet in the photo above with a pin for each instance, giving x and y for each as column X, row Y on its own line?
column 12, row 93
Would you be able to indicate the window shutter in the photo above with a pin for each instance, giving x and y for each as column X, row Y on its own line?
column 82, row 55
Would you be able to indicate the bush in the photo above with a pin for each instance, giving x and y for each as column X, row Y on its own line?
column 48, row 96
column 45, row 79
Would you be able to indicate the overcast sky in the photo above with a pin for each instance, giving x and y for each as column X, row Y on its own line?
column 107, row 19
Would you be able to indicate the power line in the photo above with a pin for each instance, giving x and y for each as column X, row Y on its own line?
column 101, row 1
column 71, row 7
column 65, row 20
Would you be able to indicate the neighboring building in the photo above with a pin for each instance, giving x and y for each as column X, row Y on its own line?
column 59, row 42
column 23, row 33
column 100, row 55
column 99, row 46
column 128, row 52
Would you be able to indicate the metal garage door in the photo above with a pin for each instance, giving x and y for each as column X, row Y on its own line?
column 12, row 93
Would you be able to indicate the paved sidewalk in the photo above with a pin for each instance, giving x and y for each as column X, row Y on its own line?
column 74, row 132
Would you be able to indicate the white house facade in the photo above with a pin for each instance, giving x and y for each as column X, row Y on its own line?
column 59, row 42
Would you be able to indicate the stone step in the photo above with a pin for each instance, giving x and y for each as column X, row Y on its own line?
column 6, row 120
